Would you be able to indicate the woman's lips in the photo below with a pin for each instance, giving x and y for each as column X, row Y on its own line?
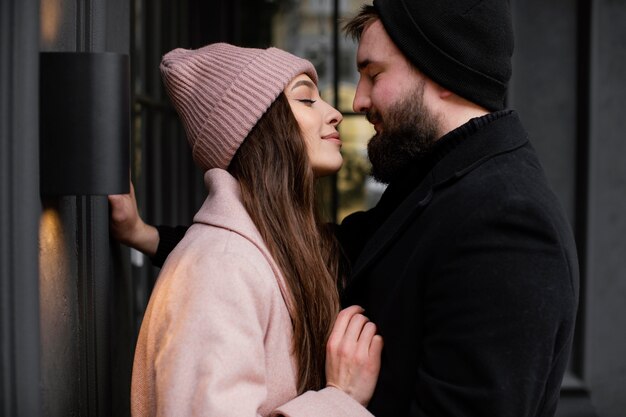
column 333, row 137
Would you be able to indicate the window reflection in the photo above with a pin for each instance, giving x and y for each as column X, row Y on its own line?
column 306, row 28
column 356, row 190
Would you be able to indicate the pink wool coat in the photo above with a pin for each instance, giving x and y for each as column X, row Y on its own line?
column 216, row 338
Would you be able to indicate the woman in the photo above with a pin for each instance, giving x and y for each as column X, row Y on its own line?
column 239, row 319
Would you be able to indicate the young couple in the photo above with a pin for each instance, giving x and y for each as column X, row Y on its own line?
column 467, row 265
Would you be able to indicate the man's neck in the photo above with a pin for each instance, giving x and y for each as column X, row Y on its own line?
column 456, row 112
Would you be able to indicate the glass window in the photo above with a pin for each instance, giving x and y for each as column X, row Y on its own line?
column 312, row 29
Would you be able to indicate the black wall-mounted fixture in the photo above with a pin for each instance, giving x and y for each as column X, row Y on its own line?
column 84, row 122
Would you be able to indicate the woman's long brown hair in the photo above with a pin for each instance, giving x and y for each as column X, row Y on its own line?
column 278, row 190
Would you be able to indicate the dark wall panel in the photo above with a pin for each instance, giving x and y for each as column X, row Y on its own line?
column 544, row 86
column 19, row 209
column 60, row 327
column 606, row 322
column 569, row 86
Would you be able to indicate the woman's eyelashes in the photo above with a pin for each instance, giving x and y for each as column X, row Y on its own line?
column 306, row 101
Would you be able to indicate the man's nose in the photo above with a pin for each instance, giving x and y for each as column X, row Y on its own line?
column 362, row 101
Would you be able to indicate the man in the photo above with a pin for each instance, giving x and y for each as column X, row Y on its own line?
column 467, row 264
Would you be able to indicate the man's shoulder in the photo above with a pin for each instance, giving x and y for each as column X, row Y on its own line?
column 516, row 175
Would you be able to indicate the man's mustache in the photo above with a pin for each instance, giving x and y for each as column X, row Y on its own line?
column 373, row 117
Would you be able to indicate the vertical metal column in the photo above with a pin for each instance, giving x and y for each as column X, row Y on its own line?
column 19, row 209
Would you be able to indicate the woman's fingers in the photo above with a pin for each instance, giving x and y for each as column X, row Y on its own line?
column 344, row 317
column 353, row 332
column 353, row 354
column 365, row 339
column 376, row 347
column 341, row 324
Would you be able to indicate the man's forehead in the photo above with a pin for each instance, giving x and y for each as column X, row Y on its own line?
column 375, row 47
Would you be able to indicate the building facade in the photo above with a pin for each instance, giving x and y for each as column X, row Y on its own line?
column 72, row 300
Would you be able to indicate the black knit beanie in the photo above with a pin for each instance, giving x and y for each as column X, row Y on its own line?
column 463, row 45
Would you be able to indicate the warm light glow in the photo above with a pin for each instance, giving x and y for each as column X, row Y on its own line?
column 53, row 256
column 50, row 14
column 50, row 231
column 57, row 301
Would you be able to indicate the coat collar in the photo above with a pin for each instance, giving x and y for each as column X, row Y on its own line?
column 224, row 208
column 486, row 138
column 493, row 135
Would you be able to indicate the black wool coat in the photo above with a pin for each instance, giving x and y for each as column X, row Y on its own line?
column 472, row 280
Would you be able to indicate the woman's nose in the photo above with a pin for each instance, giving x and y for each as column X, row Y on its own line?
column 334, row 116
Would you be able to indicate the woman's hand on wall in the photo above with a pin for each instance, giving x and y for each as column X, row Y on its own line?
column 127, row 226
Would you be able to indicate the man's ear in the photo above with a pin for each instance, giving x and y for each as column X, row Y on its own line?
column 444, row 93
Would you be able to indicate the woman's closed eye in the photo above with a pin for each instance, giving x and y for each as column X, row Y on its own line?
column 306, row 101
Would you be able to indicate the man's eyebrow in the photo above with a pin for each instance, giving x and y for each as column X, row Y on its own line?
column 307, row 83
column 363, row 64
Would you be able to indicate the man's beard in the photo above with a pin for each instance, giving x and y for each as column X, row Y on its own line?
column 408, row 132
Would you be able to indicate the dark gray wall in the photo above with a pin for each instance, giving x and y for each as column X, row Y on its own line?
column 19, row 209
column 605, row 322
column 569, row 85
column 544, row 87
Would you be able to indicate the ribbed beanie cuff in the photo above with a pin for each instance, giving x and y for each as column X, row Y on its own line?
column 221, row 91
column 463, row 45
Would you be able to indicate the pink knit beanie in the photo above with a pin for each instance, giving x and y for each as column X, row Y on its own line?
column 220, row 92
